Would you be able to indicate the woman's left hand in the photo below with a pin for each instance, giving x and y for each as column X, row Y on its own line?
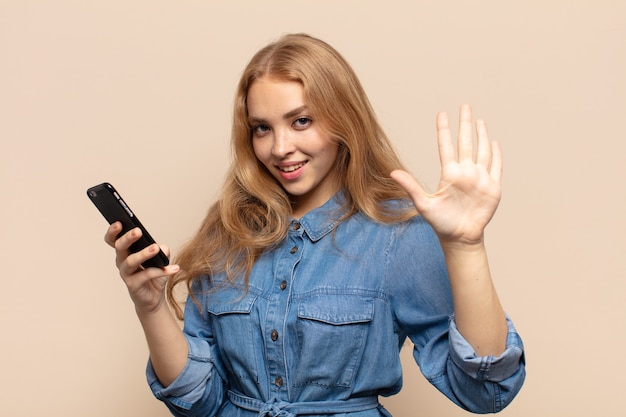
column 469, row 189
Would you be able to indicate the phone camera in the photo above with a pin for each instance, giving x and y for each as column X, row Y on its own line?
column 93, row 194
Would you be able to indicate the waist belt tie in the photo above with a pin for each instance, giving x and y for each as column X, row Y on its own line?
column 278, row 408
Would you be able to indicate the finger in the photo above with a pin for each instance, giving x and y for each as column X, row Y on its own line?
column 496, row 162
column 122, row 246
column 444, row 139
column 465, row 145
column 483, row 152
column 158, row 275
column 112, row 232
column 411, row 186
column 166, row 271
column 132, row 263
column 127, row 239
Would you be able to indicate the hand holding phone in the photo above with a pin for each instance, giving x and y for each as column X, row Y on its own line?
column 114, row 209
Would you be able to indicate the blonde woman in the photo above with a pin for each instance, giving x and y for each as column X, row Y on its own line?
column 322, row 255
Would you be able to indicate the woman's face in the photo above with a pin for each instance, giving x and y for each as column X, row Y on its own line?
column 289, row 141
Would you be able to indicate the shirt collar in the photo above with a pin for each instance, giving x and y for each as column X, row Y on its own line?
column 322, row 220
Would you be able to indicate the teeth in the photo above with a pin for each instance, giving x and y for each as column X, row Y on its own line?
column 292, row 168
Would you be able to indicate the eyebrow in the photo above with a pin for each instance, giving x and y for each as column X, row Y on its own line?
column 286, row 116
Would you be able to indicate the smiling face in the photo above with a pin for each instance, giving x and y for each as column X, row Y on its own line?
column 290, row 142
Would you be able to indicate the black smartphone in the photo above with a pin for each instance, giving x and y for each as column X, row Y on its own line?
column 114, row 209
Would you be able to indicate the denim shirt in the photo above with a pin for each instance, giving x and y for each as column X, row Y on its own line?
column 321, row 326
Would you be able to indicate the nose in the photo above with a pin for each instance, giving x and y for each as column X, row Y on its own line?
column 283, row 143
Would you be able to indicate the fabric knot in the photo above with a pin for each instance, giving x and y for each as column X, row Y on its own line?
column 275, row 408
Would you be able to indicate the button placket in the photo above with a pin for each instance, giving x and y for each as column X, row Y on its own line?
column 287, row 258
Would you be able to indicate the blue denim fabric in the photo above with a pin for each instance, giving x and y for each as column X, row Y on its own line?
column 324, row 319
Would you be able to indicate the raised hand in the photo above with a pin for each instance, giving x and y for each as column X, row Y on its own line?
column 470, row 186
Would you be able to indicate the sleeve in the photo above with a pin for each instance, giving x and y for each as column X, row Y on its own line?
column 423, row 307
column 198, row 390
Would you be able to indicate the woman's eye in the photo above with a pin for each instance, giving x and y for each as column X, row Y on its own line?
column 260, row 129
column 302, row 122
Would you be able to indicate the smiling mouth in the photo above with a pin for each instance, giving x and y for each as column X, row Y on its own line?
column 291, row 168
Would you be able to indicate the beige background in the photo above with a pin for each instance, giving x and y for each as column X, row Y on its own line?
column 139, row 93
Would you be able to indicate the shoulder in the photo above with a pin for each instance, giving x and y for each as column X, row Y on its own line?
column 397, row 240
column 410, row 240
column 403, row 219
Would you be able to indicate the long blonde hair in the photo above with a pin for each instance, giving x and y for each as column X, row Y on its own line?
column 253, row 211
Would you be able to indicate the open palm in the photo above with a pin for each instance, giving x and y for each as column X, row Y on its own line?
column 469, row 189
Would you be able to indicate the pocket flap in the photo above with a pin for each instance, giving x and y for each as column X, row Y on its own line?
column 239, row 305
column 337, row 309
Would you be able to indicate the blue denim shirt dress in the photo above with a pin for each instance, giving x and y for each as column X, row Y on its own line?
column 320, row 328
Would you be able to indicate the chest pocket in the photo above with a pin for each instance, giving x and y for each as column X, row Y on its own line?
column 331, row 332
column 233, row 325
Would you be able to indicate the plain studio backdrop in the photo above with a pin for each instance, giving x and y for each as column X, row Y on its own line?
column 139, row 93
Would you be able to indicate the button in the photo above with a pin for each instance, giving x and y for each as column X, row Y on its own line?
column 283, row 285
column 293, row 250
column 278, row 382
column 296, row 226
column 274, row 335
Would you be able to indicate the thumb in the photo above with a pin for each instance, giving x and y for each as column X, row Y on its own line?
column 411, row 186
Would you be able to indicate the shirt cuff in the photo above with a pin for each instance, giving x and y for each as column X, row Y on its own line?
column 191, row 384
column 487, row 368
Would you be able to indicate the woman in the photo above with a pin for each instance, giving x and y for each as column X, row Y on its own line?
column 313, row 267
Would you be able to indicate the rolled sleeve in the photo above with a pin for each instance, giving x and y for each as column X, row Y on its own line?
column 199, row 390
column 487, row 368
column 190, row 385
